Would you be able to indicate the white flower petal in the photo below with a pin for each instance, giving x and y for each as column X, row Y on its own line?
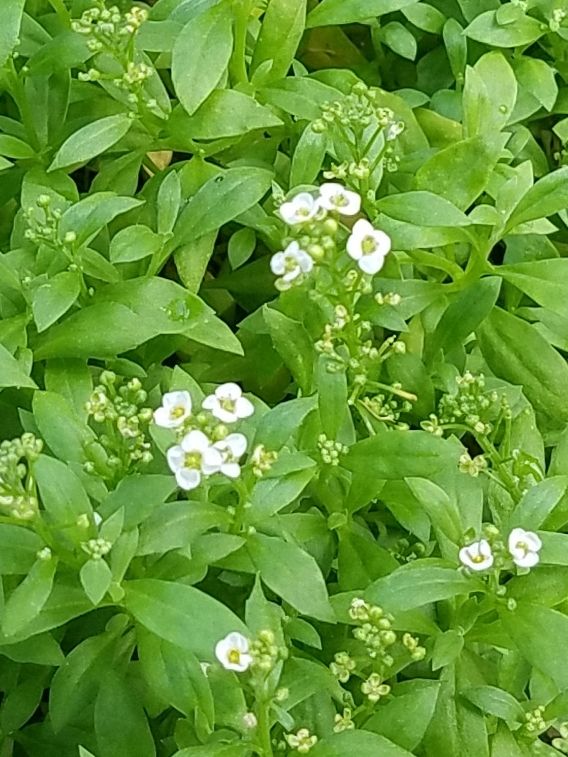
column 354, row 248
column 175, row 457
column 527, row 559
column 231, row 470
column 305, row 261
column 300, row 209
column 278, row 263
column 195, row 441
column 237, row 443
column 177, row 399
column 162, row 418
column 233, row 652
column 371, row 264
column 336, row 197
column 244, row 408
column 210, row 402
column 477, row 556
column 362, row 228
column 211, row 461
column 292, row 274
column 188, row 478
column 229, row 391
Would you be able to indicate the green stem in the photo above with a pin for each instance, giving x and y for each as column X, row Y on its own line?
column 237, row 64
column 264, row 729
column 61, row 10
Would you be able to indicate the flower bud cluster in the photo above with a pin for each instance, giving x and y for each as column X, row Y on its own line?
column 119, row 406
column 412, row 644
column 390, row 298
column 555, row 22
column 404, row 551
column 96, row 548
column 353, row 170
column 356, row 111
column 470, row 405
column 262, row 460
column 330, row 450
column 266, row 652
column 388, row 409
column 535, row 722
column 16, row 455
column 375, row 630
column 561, row 741
column 107, row 28
column 43, row 227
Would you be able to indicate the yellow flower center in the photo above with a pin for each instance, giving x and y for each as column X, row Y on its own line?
column 177, row 412
column 477, row 559
column 368, row 245
column 339, row 200
column 228, row 404
column 234, row 656
column 192, row 460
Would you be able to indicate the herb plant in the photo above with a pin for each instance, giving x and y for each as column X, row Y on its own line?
column 283, row 378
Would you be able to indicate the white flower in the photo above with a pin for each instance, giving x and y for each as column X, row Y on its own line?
column 233, row 652
column 228, row 403
column 477, row 556
column 335, row 197
column 291, row 263
column 300, row 209
column 249, row 720
column 368, row 246
column 191, row 459
column 524, row 547
column 232, row 448
column 176, row 407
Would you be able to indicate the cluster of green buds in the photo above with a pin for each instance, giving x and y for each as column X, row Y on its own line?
column 107, row 29
column 331, row 450
column 375, row 631
column 43, row 227
column 388, row 408
column 302, row 741
column 534, row 722
column 262, row 460
column 349, row 171
column 412, row 644
column 473, row 466
column 356, row 111
column 265, row 652
column 470, row 405
column 344, row 721
column 96, row 548
column 404, row 551
column 17, row 491
column 390, row 298
column 555, row 22
column 118, row 405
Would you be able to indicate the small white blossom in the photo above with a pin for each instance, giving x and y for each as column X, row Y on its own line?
column 291, row 263
column 233, row 652
column 232, row 448
column 249, row 720
column 368, row 246
column 524, row 547
column 335, row 197
column 176, row 407
column 300, row 209
column 191, row 459
column 228, row 403
column 477, row 556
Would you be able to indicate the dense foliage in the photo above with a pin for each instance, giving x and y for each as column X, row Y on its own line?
column 283, row 387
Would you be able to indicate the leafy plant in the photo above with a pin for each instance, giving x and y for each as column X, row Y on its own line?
column 283, row 335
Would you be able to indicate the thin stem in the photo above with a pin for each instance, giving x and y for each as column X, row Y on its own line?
column 264, row 729
column 238, row 65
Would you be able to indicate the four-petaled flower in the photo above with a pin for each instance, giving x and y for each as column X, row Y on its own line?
column 368, row 246
column 300, row 209
column 524, row 547
column 477, row 556
column 232, row 448
column 176, row 407
column 291, row 263
column 233, row 652
column 335, row 197
column 228, row 403
column 193, row 458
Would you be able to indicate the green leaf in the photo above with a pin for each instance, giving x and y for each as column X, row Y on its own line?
column 28, row 598
column 278, row 424
column 538, row 78
column 229, row 113
column 485, row 28
column 447, row 647
column 62, row 493
column 91, row 140
column 417, row 584
column 241, row 246
column 201, row 54
column 221, row 199
column 292, row 574
column 442, row 511
column 332, row 398
column 18, row 549
column 279, row 36
column 544, row 281
column 12, row 12
column 270, row 495
column 460, row 172
column 554, row 548
column 425, row 17
column 405, row 718
column 88, row 216
column 422, row 209
column 489, row 95
column 547, row 197
column 12, row 373
column 181, row 614
column 308, row 157
column 539, row 632
column 331, row 12
column 538, row 502
column 134, row 243
column 516, row 352
column 494, row 701
column 60, row 427
column 95, row 578
column 360, row 743
column 294, row 346
column 399, row 39
column 53, row 299
column 120, row 722
column 12, row 147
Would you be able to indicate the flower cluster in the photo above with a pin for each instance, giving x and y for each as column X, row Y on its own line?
column 236, row 652
column 374, row 688
column 470, row 405
column 16, row 455
column 388, row 408
column 42, row 224
column 107, row 28
column 96, row 548
column 330, row 450
column 205, row 445
column 523, row 549
column 535, row 722
column 262, row 460
column 316, row 219
column 119, row 407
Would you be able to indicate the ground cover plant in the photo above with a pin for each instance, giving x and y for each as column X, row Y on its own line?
column 283, row 386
